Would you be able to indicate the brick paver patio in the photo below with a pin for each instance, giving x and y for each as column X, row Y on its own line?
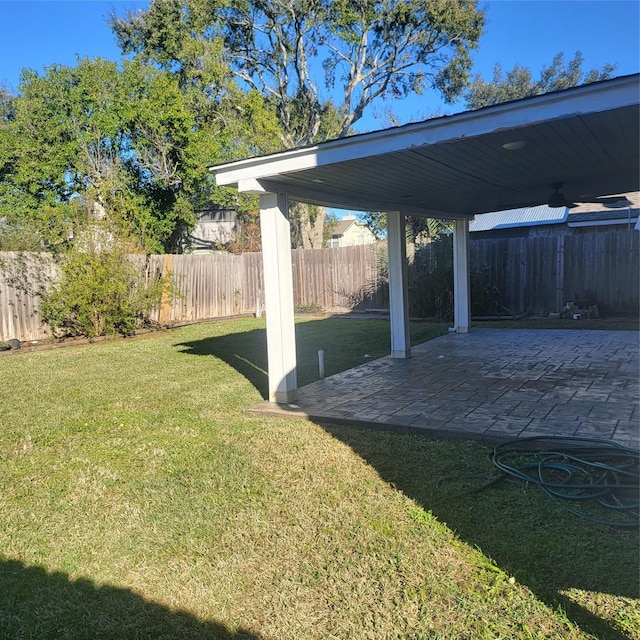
column 491, row 384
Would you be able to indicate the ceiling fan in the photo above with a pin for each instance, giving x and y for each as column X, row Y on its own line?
column 558, row 199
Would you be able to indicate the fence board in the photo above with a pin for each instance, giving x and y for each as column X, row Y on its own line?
column 19, row 315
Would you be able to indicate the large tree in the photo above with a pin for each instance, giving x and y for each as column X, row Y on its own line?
column 519, row 82
column 90, row 143
column 125, row 148
column 321, row 63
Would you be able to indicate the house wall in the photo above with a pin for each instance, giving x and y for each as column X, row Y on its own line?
column 214, row 233
column 357, row 234
column 215, row 226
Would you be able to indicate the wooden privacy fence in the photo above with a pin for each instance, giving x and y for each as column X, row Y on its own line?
column 221, row 285
column 539, row 275
column 532, row 274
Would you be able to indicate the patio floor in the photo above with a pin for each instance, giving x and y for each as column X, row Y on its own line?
column 492, row 385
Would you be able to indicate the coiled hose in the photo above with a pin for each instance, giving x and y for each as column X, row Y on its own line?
column 589, row 477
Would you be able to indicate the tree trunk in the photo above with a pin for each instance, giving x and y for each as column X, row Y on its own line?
column 307, row 225
column 313, row 228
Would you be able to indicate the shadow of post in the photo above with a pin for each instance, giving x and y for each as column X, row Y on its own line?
column 246, row 352
column 38, row 604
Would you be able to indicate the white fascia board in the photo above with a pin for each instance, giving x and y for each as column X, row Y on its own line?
column 602, row 223
column 591, row 98
column 320, row 197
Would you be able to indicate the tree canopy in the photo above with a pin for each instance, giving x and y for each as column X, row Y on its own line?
column 319, row 63
column 309, row 55
column 121, row 147
column 519, row 83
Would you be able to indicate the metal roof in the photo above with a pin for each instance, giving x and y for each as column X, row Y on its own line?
column 526, row 217
column 583, row 214
column 456, row 166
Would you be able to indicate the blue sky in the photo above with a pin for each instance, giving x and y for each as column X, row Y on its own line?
column 37, row 33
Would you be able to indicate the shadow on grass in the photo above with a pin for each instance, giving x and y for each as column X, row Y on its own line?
column 246, row 352
column 522, row 530
column 346, row 343
column 525, row 533
column 37, row 604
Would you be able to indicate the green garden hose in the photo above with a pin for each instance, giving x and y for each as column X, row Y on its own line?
column 589, row 477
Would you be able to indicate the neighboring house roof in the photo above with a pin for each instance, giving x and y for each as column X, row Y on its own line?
column 599, row 218
column 527, row 217
column 587, row 207
column 593, row 214
column 342, row 226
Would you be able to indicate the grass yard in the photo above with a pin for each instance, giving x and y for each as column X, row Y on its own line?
column 138, row 500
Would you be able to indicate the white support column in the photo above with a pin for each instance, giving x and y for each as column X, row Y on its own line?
column 461, row 279
column 398, row 295
column 559, row 274
column 278, row 293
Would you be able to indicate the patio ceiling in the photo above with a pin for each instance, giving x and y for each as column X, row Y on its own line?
column 587, row 138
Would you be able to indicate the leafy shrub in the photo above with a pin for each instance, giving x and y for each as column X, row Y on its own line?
column 430, row 281
column 99, row 292
column 485, row 296
column 312, row 307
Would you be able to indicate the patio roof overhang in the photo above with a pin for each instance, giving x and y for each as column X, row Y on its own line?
column 586, row 137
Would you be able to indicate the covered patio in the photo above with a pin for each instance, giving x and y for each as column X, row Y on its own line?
column 580, row 144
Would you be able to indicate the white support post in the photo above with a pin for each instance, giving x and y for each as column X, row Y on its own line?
column 398, row 295
column 461, row 279
column 278, row 288
column 559, row 274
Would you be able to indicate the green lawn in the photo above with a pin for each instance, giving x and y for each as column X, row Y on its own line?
column 138, row 500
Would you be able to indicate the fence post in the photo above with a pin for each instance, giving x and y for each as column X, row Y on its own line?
column 165, row 303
